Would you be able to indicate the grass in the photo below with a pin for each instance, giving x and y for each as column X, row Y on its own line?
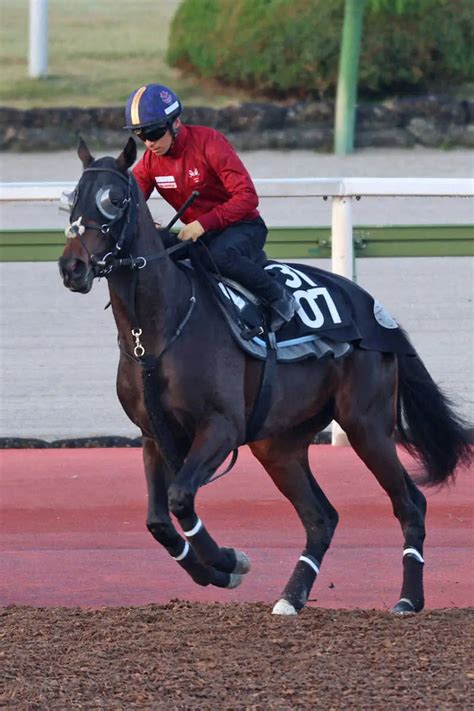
column 99, row 51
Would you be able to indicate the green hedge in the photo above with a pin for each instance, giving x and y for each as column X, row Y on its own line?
column 291, row 47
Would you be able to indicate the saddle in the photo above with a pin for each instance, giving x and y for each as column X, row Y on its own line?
column 334, row 313
column 334, row 316
column 248, row 319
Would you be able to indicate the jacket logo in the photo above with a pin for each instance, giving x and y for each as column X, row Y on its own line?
column 165, row 181
column 194, row 175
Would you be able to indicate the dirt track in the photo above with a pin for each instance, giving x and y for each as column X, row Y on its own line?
column 72, row 530
column 193, row 656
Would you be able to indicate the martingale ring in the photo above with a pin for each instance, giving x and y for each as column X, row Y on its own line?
column 139, row 350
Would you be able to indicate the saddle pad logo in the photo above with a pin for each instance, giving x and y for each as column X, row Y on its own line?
column 382, row 316
column 165, row 181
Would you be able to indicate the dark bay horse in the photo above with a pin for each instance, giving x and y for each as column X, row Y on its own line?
column 185, row 383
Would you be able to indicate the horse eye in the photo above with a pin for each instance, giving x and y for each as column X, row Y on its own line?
column 116, row 196
column 109, row 201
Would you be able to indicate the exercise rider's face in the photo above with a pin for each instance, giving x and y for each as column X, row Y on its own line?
column 163, row 144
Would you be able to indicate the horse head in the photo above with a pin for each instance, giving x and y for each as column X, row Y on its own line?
column 103, row 213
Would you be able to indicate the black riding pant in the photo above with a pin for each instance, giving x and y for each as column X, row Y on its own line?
column 237, row 253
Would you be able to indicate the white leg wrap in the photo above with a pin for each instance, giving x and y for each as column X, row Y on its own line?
column 283, row 607
column 403, row 608
column 183, row 554
column 407, row 601
column 309, row 562
column 194, row 530
column 414, row 554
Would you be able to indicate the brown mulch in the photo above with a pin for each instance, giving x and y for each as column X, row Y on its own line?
column 211, row 656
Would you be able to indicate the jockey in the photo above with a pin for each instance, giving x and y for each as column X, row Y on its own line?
column 179, row 159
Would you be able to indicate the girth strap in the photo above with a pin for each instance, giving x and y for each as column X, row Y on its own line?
column 263, row 399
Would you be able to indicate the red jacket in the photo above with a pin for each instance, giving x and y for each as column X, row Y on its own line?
column 201, row 159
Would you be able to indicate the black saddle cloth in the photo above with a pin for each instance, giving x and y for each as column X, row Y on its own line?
column 332, row 309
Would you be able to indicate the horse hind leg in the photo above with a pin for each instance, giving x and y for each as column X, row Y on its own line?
column 287, row 464
column 411, row 595
column 366, row 410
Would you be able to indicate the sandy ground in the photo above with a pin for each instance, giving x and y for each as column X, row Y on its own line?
column 367, row 162
column 46, row 331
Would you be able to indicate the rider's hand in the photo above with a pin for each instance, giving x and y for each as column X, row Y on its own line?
column 192, row 231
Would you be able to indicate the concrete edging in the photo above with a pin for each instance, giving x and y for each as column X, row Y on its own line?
column 434, row 121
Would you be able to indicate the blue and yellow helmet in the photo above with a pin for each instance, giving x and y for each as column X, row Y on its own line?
column 151, row 105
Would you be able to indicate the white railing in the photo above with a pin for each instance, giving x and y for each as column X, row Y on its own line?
column 342, row 192
column 290, row 187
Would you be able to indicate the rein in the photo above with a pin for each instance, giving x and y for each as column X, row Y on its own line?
column 110, row 262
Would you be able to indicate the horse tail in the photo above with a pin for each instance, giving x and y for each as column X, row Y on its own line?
column 428, row 426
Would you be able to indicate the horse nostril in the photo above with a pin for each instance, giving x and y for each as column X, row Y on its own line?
column 77, row 267
column 71, row 268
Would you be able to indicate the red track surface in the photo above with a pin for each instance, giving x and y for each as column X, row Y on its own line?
column 72, row 532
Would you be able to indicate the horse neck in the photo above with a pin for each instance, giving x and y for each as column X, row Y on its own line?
column 155, row 294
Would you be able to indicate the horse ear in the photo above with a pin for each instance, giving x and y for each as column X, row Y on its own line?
column 84, row 154
column 128, row 156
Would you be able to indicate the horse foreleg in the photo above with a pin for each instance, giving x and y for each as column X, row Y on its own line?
column 159, row 522
column 209, row 449
column 287, row 463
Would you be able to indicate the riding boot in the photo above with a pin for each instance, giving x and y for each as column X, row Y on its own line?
column 283, row 309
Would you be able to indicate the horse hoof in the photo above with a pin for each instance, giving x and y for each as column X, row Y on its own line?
column 403, row 608
column 242, row 564
column 235, row 580
column 283, row 607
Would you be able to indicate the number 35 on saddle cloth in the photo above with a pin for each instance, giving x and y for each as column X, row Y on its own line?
column 334, row 315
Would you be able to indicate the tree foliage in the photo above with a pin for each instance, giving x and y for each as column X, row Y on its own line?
column 291, row 47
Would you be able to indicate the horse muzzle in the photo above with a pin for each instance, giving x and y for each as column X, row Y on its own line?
column 76, row 274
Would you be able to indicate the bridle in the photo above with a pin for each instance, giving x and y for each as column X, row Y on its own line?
column 119, row 257
column 124, row 210
column 128, row 208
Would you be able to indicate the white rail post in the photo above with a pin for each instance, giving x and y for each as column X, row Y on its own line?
column 342, row 253
column 38, row 42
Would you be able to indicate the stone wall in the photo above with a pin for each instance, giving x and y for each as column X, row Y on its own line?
column 433, row 121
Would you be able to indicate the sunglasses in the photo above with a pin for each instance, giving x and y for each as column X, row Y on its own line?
column 151, row 134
